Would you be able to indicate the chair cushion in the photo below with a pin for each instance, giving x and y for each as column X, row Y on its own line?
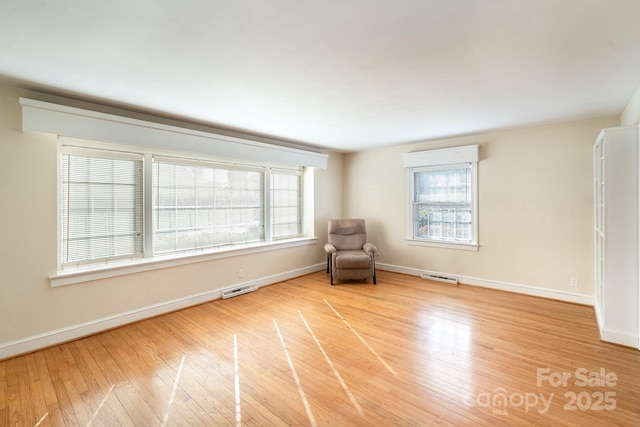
column 352, row 259
column 347, row 234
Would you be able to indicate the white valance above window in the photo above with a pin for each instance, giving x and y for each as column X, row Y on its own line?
column 443, row 156
column 39, row 116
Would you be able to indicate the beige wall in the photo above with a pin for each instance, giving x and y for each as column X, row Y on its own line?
column 328, row 195
column 28, row 304
column 535, row 206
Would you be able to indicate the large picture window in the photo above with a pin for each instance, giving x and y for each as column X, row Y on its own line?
column 116, row 205
column 205, row 206
column 443, row 197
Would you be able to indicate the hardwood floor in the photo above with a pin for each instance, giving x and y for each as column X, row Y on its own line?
column 404, row 352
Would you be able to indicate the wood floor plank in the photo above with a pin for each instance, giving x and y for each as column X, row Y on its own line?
column 407, row 351
column 32, row 391
column 54, row 416
column 104, row 406
column 13, row 403
column 60, row 375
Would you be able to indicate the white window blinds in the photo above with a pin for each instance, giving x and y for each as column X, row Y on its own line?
column 198, row 206
column 101, row 207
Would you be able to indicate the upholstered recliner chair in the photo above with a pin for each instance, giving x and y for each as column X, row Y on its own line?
column 349, row 255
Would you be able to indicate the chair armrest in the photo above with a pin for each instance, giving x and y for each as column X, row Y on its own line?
column 369, row 248
column 330, row 249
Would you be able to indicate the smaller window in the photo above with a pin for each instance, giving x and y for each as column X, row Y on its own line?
column 102, row 209
column 443, row 188
column 286, row 204
column 442, row 203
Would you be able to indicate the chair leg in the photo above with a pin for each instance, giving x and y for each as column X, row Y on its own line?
column 375, row 282
column 330, row 268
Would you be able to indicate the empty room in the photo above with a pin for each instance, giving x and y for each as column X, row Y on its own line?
column 357, row 212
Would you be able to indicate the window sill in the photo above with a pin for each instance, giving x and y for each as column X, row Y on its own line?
column 104, row 271
column 447, row 245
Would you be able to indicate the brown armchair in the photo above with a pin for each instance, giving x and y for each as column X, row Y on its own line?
column 349, row 255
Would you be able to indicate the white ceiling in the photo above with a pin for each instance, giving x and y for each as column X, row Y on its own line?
column 342, row 74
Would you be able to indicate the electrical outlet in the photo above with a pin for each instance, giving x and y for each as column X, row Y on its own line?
column 573, row 282
column 240, row 274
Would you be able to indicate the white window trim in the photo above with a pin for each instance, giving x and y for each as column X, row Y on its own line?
column 93, row 152
column 115, row 268
column 97, row 272
column 442, row 157
column 443, row 244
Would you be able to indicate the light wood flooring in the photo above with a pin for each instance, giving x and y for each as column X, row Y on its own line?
column 405, row 352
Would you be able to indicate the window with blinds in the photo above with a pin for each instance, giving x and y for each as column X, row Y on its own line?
column 443, row 203
column 199, row 206
column 119, row 206
column 286, row 204
column 102, row 210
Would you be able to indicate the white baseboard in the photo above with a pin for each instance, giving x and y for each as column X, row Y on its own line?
column 58, row 336
column 615, row 337
column 499, row 285
column 619, row 337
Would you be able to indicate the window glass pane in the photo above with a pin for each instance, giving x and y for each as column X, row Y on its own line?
column 443, row 203
column 101, row 208
column 443, row 185
column 286, row 205
column 201, row 206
